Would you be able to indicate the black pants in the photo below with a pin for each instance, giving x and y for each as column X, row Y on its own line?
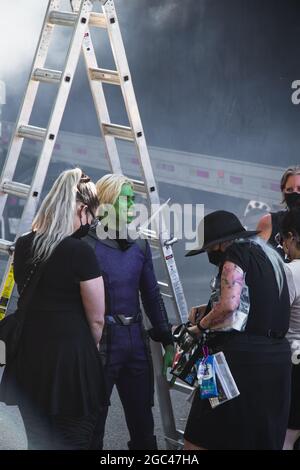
column 60, row 432
column 129, row 368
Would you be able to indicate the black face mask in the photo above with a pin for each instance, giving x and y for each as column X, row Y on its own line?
column 215, row 257
column 292, row 200
column 82, row 231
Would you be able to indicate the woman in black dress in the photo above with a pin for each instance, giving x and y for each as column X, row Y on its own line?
column 247, row 319
column 56, row 378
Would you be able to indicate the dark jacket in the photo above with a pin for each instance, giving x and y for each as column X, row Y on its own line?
column 128, row 271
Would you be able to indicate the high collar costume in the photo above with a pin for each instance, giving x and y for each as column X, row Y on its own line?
column 128, row 274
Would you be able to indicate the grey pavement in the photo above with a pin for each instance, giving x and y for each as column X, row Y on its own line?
column 13, row 437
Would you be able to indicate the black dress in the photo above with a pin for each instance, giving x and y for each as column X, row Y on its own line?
column 259, row 360
column 57, row 371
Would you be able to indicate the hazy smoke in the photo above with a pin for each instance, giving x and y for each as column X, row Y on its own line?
column 20, row 25
column 174, row 12
column 19, row 32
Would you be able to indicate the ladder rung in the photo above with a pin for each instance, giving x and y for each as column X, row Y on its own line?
column 168, row 296
column 151, row 237
column 66, row 18
column 32, row 132
column 154, row 243
column 176, row 444
column 163, row 285
column 182, row 387
column 6, row 246
column 98, row 20
column 139, row 186
column 62, row 18
column 117, row 131
column 165, row 289
column 105, row 76
column 148, row 233
column 47, row 75
column 15, row 189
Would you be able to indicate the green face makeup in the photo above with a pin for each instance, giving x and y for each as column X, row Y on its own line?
column 124, row 205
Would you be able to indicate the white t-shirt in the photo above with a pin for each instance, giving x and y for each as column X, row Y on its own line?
column 292, row 270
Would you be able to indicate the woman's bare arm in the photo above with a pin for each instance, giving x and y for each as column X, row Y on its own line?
column 264, row 226
column 232, row 281
column 93, row 299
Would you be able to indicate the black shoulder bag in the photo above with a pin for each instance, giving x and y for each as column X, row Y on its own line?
column 11, row 326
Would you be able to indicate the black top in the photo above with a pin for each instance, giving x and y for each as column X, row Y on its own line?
column 72, row 261
column 58, row 367
column 269, row 311
column 127, row 272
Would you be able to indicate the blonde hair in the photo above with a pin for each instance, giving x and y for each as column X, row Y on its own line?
column 55, row 218
column 109, row 187
column 291, row 171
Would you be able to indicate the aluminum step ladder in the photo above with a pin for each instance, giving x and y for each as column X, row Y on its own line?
column 80, row 18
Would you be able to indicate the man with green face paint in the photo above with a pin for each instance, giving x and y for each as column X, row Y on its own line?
column 128, row 274
column 124, row 205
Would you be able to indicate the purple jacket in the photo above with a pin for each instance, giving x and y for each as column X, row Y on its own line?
column 127, row 270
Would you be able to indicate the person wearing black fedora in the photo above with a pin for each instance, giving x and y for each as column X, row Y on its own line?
column 247, row 318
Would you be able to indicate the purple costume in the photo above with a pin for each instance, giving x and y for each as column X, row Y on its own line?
column 127, row 271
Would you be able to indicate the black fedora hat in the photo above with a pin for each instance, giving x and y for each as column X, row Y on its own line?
column 218, row 227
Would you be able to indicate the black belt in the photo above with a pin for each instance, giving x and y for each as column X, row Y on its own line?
column 265, row 333
column 275, row 334
column 120, row 319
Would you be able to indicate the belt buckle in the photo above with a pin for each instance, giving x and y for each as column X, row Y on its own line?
column 125, row 320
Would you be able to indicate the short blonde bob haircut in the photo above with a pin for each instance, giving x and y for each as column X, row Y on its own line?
column 109, row 187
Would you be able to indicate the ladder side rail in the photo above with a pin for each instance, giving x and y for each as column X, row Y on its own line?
column 102, row 112
column 162, row 389
column 181, row 311
column 163, row 396
column 53, row 125
column 144, row 158
column 97, row 91
column 56, row 116
column 28, row 102
column 121, row 62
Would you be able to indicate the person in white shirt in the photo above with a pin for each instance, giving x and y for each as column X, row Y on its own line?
column 290, row 231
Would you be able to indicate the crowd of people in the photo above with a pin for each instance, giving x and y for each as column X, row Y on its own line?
column 83, row 330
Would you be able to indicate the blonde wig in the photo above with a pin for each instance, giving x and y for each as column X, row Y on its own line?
column 55, row 218
column 109, row 188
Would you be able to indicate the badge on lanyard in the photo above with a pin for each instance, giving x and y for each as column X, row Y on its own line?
column 207, row 376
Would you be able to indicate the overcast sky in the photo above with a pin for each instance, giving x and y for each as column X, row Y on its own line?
column 20, row 23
